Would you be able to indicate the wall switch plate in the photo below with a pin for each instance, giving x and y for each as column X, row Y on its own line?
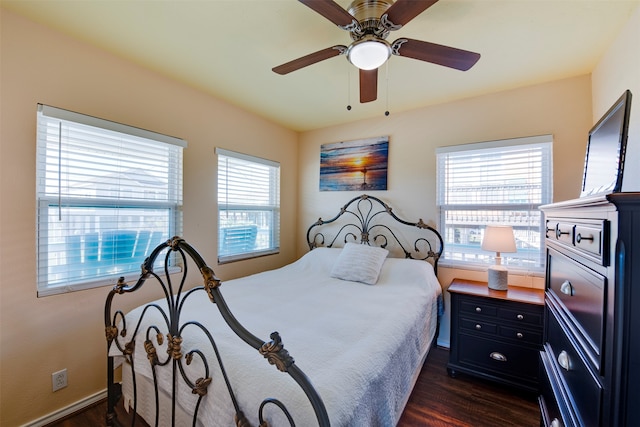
column 59, row 379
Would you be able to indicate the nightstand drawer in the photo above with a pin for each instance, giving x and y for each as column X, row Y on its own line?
column 496, row 334
column 500, row 358
column 478, row 306
column 478, row 326
column 522, row 314
column 521, row 335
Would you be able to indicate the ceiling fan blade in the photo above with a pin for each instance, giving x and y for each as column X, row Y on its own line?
column 310, row 59
column 403, row 11
column 435, row 53
column 332, row 11
column 368, row 85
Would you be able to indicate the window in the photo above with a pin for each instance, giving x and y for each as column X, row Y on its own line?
column 106, row 193
column 248, row 206
column 500, row 182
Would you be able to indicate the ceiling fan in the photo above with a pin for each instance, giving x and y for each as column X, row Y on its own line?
column 369, row 22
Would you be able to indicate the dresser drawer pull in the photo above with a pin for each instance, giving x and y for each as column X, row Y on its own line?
column 498, row 356
column 520, row 335
column 556, row 423
column 566, row 288
column 478, row 309
column 564, row 361
column 520, row 317
column 559, row 233
column 478, row 326
column 580, row 237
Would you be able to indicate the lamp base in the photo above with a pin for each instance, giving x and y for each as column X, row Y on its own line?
column 498, row 277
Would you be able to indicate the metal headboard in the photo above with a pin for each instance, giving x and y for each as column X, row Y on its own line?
column 368, row 220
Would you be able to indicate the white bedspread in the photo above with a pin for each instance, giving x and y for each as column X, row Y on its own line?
column 361, row 345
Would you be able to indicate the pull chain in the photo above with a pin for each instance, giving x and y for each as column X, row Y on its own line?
column 386, row 113
column 348, row 86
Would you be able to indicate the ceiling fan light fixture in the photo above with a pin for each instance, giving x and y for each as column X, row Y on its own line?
column 369, row 53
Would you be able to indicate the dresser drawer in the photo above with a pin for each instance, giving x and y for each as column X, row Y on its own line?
column 587, row 237
column 554, row 410
column 582, row 293
column 499, row 358
column 560, row 231
column 583, row 387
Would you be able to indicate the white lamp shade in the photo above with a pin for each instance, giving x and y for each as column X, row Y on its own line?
column 369, row 54
column 499, row 238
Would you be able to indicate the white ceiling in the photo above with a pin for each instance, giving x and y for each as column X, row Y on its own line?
column 228, row 47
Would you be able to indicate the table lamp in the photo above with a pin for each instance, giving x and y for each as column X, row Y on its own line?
column 498, row 238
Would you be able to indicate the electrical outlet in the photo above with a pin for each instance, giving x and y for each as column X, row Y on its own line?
column 59, row 379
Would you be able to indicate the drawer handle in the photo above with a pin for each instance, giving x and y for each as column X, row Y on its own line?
column 566, row 288
column 556, row 423
column 478, row 309
column 520, row 335
column 520, row 317
column 498, row 356
column 478, row 326
column 564, row 361
column 580, row 237
column 559, row 233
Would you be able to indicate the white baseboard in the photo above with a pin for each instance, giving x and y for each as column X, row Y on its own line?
column 68, row 410
column 443, row 343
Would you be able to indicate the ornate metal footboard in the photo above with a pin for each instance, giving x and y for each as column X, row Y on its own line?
column 368, row 220
column 177, row 356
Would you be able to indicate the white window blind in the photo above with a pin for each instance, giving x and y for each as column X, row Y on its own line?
column 107, row 194
column 498, row 183
column 248, row 206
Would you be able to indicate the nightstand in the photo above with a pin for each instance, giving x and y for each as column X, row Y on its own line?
column 496, row 335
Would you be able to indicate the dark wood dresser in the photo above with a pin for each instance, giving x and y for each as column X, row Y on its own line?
column 496, row 335
column 590, row 363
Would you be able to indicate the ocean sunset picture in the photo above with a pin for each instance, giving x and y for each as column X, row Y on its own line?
column 354, row 165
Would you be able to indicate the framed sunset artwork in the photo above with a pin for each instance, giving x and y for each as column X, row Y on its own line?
column 354, row 165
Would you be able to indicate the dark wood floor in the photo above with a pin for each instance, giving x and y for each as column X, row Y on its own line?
column 437, row 400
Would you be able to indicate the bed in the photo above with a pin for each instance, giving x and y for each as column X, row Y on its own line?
column 344, row 330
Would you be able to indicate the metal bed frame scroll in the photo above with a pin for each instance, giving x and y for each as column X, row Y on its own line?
column 363, row 220
column 177, row 356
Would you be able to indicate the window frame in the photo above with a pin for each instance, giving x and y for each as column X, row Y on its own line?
column 272, row 208
column 46, row 199
column 533, row 264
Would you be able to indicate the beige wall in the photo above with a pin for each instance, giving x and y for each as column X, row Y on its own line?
column 42, row 335
column 617, row 71
column 561, row 108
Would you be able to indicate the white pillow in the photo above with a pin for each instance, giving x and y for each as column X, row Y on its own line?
column 359, row 263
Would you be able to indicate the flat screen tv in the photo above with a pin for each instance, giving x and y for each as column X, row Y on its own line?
column 604, row 161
